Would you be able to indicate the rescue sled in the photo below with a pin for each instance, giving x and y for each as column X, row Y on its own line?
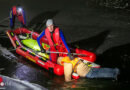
column 25, row 44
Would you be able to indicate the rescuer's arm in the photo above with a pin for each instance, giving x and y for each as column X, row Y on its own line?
column 64, row 42
column 38, row 40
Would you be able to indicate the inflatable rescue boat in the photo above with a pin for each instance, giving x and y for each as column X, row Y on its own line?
column 25, row 43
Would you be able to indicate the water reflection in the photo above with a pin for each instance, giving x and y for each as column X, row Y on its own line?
column 26, row 70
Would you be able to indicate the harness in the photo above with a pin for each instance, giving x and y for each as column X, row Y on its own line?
column 74, row 62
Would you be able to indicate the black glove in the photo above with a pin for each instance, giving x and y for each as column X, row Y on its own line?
column 70, row 56
column 42, row 50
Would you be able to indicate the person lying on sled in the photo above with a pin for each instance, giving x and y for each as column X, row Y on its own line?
column 17, row 11
column 83, row 70
column 55, row 38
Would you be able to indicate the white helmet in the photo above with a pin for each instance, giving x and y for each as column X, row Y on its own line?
column 49, row 22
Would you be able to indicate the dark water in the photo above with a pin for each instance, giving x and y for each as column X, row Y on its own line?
column 15, row 66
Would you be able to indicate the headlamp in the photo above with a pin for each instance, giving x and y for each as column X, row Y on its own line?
column 19, row 9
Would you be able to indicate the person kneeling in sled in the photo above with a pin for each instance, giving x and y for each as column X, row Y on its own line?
column 83, row 70
column 55, row 38
column 17, row 11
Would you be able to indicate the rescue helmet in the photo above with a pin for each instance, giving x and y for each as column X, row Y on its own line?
column 49, row 22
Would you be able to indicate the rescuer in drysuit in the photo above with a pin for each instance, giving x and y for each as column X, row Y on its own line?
column 17, row 11
column 83, row 70
column 55, row 39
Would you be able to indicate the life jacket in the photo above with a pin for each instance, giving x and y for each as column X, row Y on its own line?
column 74, row 62
column 55, row 36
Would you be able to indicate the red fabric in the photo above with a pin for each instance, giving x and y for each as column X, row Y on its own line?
column 55, row 36
column 21, row 19
column 14, row 10
column 62, row 49
column 59, row 70
column 55, row 40
column 1, row 80
column 53, row 56
column 89, row 55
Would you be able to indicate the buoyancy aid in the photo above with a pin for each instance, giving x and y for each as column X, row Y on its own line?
column 54, row 40
column 74, row 62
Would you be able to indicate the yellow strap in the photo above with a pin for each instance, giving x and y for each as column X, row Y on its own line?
column 67, row 60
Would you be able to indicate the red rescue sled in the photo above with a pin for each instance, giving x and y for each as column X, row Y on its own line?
column 41, row 60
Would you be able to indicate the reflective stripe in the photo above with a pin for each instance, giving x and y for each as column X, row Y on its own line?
column 12, row 34
column 17, row 43
column 43, row 59
column 24, row 49
column 32, row 53
column 31, row 59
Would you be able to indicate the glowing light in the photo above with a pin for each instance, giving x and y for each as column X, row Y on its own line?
column 19, row 9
